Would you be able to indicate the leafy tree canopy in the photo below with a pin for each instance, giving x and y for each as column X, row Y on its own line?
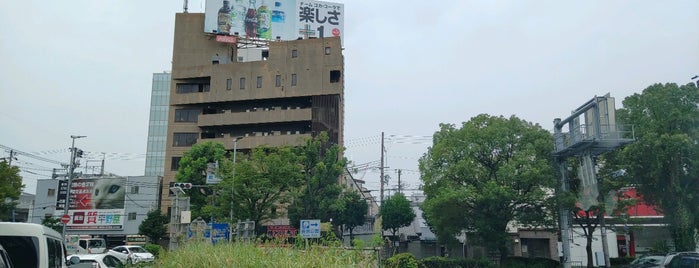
column 53, row 223
column 262, row 183
column 154, row 226
column 491, row 171
column 193, row 167
column 396, row 212
column 10, row 189
column 322, row 166
column 664, row 160
column 353, row 212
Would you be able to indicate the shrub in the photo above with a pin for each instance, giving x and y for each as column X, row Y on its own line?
column 402, row 260
column 442, row 262
column 516, row 262
column 155, row 249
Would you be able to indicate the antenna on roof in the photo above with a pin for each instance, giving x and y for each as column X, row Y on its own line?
column 185, row 6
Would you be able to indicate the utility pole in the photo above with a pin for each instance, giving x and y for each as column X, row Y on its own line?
column 400, row 186
column 382, row 167
column 12, row 156
column 71, row 169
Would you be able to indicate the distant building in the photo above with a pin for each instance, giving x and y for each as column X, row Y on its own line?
column 157, row 124
column 256, row 92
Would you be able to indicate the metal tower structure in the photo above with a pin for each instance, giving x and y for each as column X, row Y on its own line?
column 592, row 130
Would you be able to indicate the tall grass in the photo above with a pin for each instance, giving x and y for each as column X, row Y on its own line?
column 241, row 254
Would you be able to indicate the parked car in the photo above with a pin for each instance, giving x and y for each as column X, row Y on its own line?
column 5, row 261
column 682, row 260
column 648, row 261
column 103, row 260
column 132, row 254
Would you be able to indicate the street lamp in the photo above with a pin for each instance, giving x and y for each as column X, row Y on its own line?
column 235, row 151
column 70, row 178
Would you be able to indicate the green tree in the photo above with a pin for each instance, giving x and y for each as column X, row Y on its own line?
column 192, row 169
column 396, row 212
column 53, row 223
column 10, row 189
column 486, row 174
column 154, row 226
column 353, row 213
column 322, row 166
column 262, row 183
column 664, row 160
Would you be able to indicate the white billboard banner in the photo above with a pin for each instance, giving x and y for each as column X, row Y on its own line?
column 96, row 204
column 269, row 19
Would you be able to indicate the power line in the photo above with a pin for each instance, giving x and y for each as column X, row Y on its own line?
column 33, row 156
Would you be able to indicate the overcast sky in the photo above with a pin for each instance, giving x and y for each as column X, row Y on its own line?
column 85, row 67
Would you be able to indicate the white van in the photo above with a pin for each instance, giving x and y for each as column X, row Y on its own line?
column 84, row 244
column 32, row 245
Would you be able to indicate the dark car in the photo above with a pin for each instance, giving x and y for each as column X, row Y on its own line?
column 682, row 260
column 648, row 261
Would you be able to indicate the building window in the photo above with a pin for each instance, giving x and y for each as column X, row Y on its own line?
column 184, row 139
column 294, row 53
column 259, row 82
column 186, row 115
column 175, row 164
column 278, row 80
column 242, row 83
column 52, row 192
column 293, row 79
column 335, row 76
column 134, row 190
column 192, row 88
column 132, row 216
column 229, row 84
column 327, row 50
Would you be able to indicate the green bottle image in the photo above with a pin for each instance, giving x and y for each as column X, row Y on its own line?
column 264, row 21
column 224, row 18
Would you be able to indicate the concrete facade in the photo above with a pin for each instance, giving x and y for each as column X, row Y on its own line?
column 269, row 93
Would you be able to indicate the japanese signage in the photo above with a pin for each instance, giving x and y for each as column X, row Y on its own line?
column 310, row 228
column 269, row 19
column 281, row 231
column 94, row 204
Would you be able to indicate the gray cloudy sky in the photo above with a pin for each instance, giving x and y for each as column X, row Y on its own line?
column 84, row 67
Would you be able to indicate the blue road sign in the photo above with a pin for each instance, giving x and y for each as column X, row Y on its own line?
column 310, row 228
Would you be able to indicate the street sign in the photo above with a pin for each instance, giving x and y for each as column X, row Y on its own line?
column 65, row 218
column 310, row 228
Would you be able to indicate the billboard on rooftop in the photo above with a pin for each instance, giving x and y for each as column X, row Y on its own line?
column 269, row 19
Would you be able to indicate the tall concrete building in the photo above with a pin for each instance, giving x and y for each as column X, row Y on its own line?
column 157, row 124
column 260, row 92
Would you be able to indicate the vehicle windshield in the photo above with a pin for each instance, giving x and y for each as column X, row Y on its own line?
column 649, row 260
column 97, row 243
column 138, row 250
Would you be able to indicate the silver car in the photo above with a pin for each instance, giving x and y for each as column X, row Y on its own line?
column 132, row 254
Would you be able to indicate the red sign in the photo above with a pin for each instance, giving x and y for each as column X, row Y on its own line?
column 65, row 219
column 226, row 39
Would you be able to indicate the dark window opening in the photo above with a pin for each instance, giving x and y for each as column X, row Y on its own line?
column 214, row 62
column 192, row 88
column 184, row 139
column 259, row 81
column 278, row 80
column 208, row 135
column 209, row 111
column 335, row 76
column 294, row 53
column 242, row 83
column 265, row 54
column 293, row 79
column 186, row 115
column 229, row 84
column 175, row 164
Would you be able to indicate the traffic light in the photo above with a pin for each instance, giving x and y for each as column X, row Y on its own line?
column 183, row 185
